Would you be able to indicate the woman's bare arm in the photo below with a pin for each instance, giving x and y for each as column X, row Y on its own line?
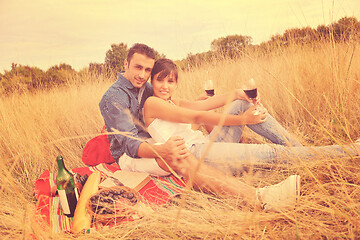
column 214, row 102
column 157, row 108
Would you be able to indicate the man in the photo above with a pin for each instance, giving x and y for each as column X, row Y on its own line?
column 121, row 108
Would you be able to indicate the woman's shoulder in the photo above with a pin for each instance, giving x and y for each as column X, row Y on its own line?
column 152, row 102
column 160, row 102
column 152, row 99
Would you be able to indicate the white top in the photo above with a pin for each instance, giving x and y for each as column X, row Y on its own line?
column 161, row 130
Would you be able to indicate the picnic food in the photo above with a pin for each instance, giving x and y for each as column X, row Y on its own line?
column 82, row 219
column 67, row 190
column 80, row 181
column 113, row 203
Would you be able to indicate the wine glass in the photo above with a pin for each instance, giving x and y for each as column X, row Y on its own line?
column 250, row 88
column 209, row 88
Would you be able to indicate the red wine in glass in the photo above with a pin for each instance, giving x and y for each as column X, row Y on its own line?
column 250, row 88
column 252, row 93
column 209, row 88
column 210, row 92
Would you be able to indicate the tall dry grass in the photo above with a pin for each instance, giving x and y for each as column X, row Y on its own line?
column 313, row 91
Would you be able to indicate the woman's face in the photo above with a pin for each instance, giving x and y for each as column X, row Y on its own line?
column 164, row 88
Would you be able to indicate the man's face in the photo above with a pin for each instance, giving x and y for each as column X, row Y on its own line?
column 138, row 70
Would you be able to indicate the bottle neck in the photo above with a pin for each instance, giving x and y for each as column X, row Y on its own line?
column 61, row 165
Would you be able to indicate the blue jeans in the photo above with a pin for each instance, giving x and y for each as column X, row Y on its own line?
column 226, row 151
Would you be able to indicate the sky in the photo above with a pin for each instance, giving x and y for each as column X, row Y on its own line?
column 44, row 33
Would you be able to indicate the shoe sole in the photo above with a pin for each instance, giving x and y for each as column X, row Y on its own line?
column 297, row 191
column 293, row 183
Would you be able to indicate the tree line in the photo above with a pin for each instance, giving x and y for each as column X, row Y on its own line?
column 22, row 77
column 346, row 29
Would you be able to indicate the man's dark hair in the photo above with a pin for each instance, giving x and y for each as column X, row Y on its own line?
column 141, row 49
column 164, row 66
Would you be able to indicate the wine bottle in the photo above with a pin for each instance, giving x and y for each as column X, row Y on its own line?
column 68, row 193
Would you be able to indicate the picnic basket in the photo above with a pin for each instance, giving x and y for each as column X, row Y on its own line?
column 112, row 204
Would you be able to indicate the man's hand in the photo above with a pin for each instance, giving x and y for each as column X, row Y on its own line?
column 171, row 151
column 174, row 153
column 181, row 166
column 174, row 149
column 255, row 114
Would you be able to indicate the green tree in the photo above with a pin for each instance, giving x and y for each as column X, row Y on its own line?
column 196, row 60
column 345, row 28
column 231, row 46
column 299, row 36
column 58, row 75
column 114, row 60
column 98, row 68
column 21, row 78
column 323, row 32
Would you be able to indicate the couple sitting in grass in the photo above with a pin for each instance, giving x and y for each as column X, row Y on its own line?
column 131, row 102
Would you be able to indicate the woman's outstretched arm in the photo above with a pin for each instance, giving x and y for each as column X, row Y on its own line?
column 216, row 101
column 157, row 108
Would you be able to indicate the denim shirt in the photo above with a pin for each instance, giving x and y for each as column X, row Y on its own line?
column 122, row 111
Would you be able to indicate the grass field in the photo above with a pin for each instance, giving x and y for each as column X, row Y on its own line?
column 314, row 91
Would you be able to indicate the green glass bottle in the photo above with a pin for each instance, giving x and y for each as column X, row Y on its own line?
column 68, row 193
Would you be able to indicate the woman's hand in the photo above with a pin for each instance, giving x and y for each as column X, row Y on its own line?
column 203, row 96
column 255, row 114
column 240, row 94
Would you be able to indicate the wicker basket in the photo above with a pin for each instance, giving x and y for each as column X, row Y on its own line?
column 113, row 203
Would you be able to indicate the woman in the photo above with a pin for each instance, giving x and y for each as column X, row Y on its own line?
column 166, row 117
column 202, row 176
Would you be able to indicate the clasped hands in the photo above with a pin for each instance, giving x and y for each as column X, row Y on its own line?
column 176, row 155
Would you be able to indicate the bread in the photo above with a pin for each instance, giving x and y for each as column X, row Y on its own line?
column 82, row 219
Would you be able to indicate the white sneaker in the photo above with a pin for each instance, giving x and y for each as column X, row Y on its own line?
column 281, row 195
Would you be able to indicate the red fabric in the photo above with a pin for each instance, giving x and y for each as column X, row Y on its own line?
column 158, row 191
column 89, row 170
column 43, row 194
column 42, row 186
column 97, row 151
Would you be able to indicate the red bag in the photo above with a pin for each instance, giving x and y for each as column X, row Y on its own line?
column 97, row 151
